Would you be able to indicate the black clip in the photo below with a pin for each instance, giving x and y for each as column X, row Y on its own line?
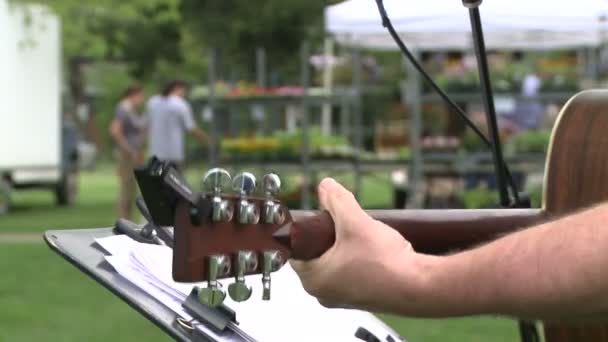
column 366, row 335
column 217, row 318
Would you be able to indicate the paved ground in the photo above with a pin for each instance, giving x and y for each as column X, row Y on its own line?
column 21, row 238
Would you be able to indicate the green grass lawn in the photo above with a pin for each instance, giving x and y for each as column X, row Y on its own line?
column 42, row 297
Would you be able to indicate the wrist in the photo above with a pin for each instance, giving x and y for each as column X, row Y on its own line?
column 411, row 288
column 452, row 285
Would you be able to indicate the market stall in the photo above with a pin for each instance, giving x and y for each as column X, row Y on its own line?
column 437, row 25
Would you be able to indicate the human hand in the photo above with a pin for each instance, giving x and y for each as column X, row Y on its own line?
column 141, row 158
column 137, row 157
column 370, row 263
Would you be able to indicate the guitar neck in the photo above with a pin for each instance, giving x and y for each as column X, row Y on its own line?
column 429, row 231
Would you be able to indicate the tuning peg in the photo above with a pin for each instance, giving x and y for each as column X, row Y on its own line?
column 246, row 262
column 213, row 295
column 244, row 183
column 272, row 184
column 214, row 181
column 272, row 211
column 271, row 262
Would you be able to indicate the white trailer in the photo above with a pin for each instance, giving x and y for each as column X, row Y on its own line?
column 34, row 151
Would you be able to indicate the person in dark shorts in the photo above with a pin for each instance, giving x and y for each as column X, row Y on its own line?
column 128, row 130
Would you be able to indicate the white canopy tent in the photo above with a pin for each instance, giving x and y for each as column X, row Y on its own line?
column 444, row 24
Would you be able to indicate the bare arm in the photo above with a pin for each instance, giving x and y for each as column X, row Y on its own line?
column 121, row 140
column 199, row 135
column 553, row 271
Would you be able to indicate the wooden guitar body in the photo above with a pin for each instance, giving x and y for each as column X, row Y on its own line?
column 577, row 177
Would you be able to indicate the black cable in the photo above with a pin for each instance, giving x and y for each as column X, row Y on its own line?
column 488, row 101
column 386, row 22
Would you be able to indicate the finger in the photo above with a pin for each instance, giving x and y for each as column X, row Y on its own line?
column 310, row 274
column 322, row 193
column 334, row 197
column 341, row 204
column 300, row 267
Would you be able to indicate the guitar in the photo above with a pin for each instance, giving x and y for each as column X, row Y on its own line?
column 221, row 235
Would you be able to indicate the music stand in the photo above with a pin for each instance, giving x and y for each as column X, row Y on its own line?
column 80, row 249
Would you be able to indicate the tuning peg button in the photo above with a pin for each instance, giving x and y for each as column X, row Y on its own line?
column 272, row 184
column 272, row 261
column 246, row 262
column 213, row 295
column 214, row 181
column 245, row 183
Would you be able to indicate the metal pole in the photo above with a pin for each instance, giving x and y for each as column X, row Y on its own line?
column 259, row 110
column 344, row 114
column 306, row 170
column 358, row 122
column 326, row 117
column 260, row 58
column 213, row 142
column 488, row 98
column 411, row 96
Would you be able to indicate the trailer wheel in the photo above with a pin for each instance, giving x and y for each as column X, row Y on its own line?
column 66, row 192
column 5, row 196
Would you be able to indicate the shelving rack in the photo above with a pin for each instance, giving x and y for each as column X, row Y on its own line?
column 349, row 101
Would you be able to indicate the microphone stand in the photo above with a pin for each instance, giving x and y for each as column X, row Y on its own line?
column 527, row 330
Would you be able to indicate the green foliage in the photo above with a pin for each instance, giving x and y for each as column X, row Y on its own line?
column 479, row 198
column 471, row 142
column 284, row 145
column 140, row 33
column 236, row 28
column 531, row 142
column 536, row 197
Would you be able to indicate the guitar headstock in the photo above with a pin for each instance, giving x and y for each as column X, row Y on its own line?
column 229, row 234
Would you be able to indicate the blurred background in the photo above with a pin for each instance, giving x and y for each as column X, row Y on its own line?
column 304, row 88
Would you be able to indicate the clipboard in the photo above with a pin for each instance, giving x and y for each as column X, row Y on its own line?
column 80, row 249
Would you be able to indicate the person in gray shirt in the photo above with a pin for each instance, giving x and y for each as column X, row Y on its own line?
column 128, row 130
column 169, row 119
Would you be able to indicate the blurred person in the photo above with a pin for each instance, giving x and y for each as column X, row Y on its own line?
column 128, row 131
column 170, row 117
column 529, row 111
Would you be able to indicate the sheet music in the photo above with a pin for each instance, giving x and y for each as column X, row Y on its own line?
column 122, row 258
column 291, row 314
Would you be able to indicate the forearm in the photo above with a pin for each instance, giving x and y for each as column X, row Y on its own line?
column 556, row 270
column 200, row 135
column 123, row 145
column 121, row 140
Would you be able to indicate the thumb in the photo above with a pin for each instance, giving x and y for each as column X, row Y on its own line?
column 341, row 205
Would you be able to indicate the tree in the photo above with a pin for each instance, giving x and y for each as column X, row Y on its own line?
column 137, row 32
column 236, row 28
